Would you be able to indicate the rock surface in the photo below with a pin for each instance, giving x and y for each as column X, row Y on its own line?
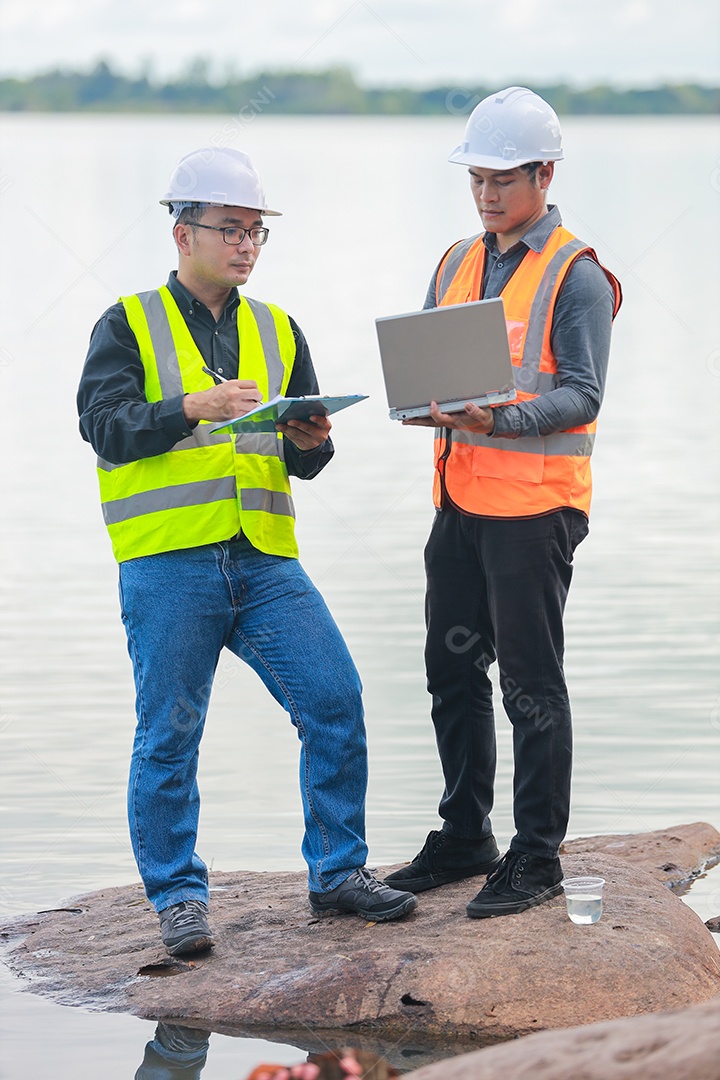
column 434, row 977
column 674, row 856
column 666, row 1046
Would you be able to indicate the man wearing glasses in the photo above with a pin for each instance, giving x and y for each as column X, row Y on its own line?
column 202, row 525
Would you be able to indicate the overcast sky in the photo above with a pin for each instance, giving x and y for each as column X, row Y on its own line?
column 413, row 42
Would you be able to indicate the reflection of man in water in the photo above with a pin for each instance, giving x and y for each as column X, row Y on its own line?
column 180, row 1053
column 176, row 1053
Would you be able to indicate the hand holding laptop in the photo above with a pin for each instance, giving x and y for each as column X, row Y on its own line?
column 473, row 418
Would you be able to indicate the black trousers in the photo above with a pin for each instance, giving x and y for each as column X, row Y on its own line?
column 496, row 589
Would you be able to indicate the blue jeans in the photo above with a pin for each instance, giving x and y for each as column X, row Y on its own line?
column 179, row 610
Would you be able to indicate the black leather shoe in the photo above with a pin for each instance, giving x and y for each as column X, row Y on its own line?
column 521, row 881
column 364, row 895
column 445, row 858
column 184, row 928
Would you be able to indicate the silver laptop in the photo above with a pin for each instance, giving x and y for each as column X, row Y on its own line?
column 448, row 354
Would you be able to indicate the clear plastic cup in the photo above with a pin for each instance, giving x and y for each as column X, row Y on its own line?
column 583, row 898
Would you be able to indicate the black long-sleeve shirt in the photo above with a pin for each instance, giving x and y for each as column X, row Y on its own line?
column 122, row 425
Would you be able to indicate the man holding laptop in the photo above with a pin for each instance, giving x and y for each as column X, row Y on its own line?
column 512, row 490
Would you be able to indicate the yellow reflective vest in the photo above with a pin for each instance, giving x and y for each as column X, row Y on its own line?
column 209, row 486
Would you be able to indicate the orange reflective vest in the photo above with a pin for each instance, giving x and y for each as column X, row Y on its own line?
column 525, row 477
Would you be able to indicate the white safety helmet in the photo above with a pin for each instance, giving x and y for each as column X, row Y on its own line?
column 508, row 129
column 216, row 176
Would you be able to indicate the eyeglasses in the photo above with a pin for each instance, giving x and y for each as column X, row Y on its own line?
column 233, row 234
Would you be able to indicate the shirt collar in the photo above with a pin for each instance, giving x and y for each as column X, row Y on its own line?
column 187, row 302
column 535, row 238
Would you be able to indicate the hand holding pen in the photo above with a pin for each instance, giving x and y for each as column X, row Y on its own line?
column 227, row 400
column 306, row 434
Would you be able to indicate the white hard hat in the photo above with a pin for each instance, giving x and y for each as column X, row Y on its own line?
column 217, row 176
column 510, row 128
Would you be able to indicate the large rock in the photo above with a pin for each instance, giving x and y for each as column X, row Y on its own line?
column 666, row 1046
column 434, row 977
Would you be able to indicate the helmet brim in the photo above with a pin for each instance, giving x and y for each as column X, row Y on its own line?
column 481, row 161
column 168, row 201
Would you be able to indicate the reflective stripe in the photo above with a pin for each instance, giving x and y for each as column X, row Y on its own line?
column 561, row 444
column 165, row 353
column 545, row 381
column 269, row 502
column 270, row 343
column 108, row 466
column 452, row 264
column 169, row 498
column 202, row 436
column 570, row 444
column 528, row 377
column 261, row 442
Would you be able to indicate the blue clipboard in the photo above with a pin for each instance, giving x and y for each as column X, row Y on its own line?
column 281, row 409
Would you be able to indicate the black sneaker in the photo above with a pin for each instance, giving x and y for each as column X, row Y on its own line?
column 521, row 881
column 364, row 895
column 184, row 928
column 446, row 858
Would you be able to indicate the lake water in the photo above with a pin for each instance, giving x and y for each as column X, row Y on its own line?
column 370, row 205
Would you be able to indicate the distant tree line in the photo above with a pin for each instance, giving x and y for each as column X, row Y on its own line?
column 333, row 91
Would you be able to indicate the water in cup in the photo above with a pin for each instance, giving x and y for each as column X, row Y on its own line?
column 583, row 899
column 584, row 909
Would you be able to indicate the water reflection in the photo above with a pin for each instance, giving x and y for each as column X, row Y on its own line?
column 176, row 1053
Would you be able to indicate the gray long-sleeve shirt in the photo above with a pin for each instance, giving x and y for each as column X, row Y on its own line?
column 580, row 337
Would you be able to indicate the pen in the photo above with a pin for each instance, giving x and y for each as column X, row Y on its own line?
column 214, row 374
column 221, row 378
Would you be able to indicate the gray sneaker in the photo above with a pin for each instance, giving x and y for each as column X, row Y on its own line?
column 363, row 895
column 184, row 928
